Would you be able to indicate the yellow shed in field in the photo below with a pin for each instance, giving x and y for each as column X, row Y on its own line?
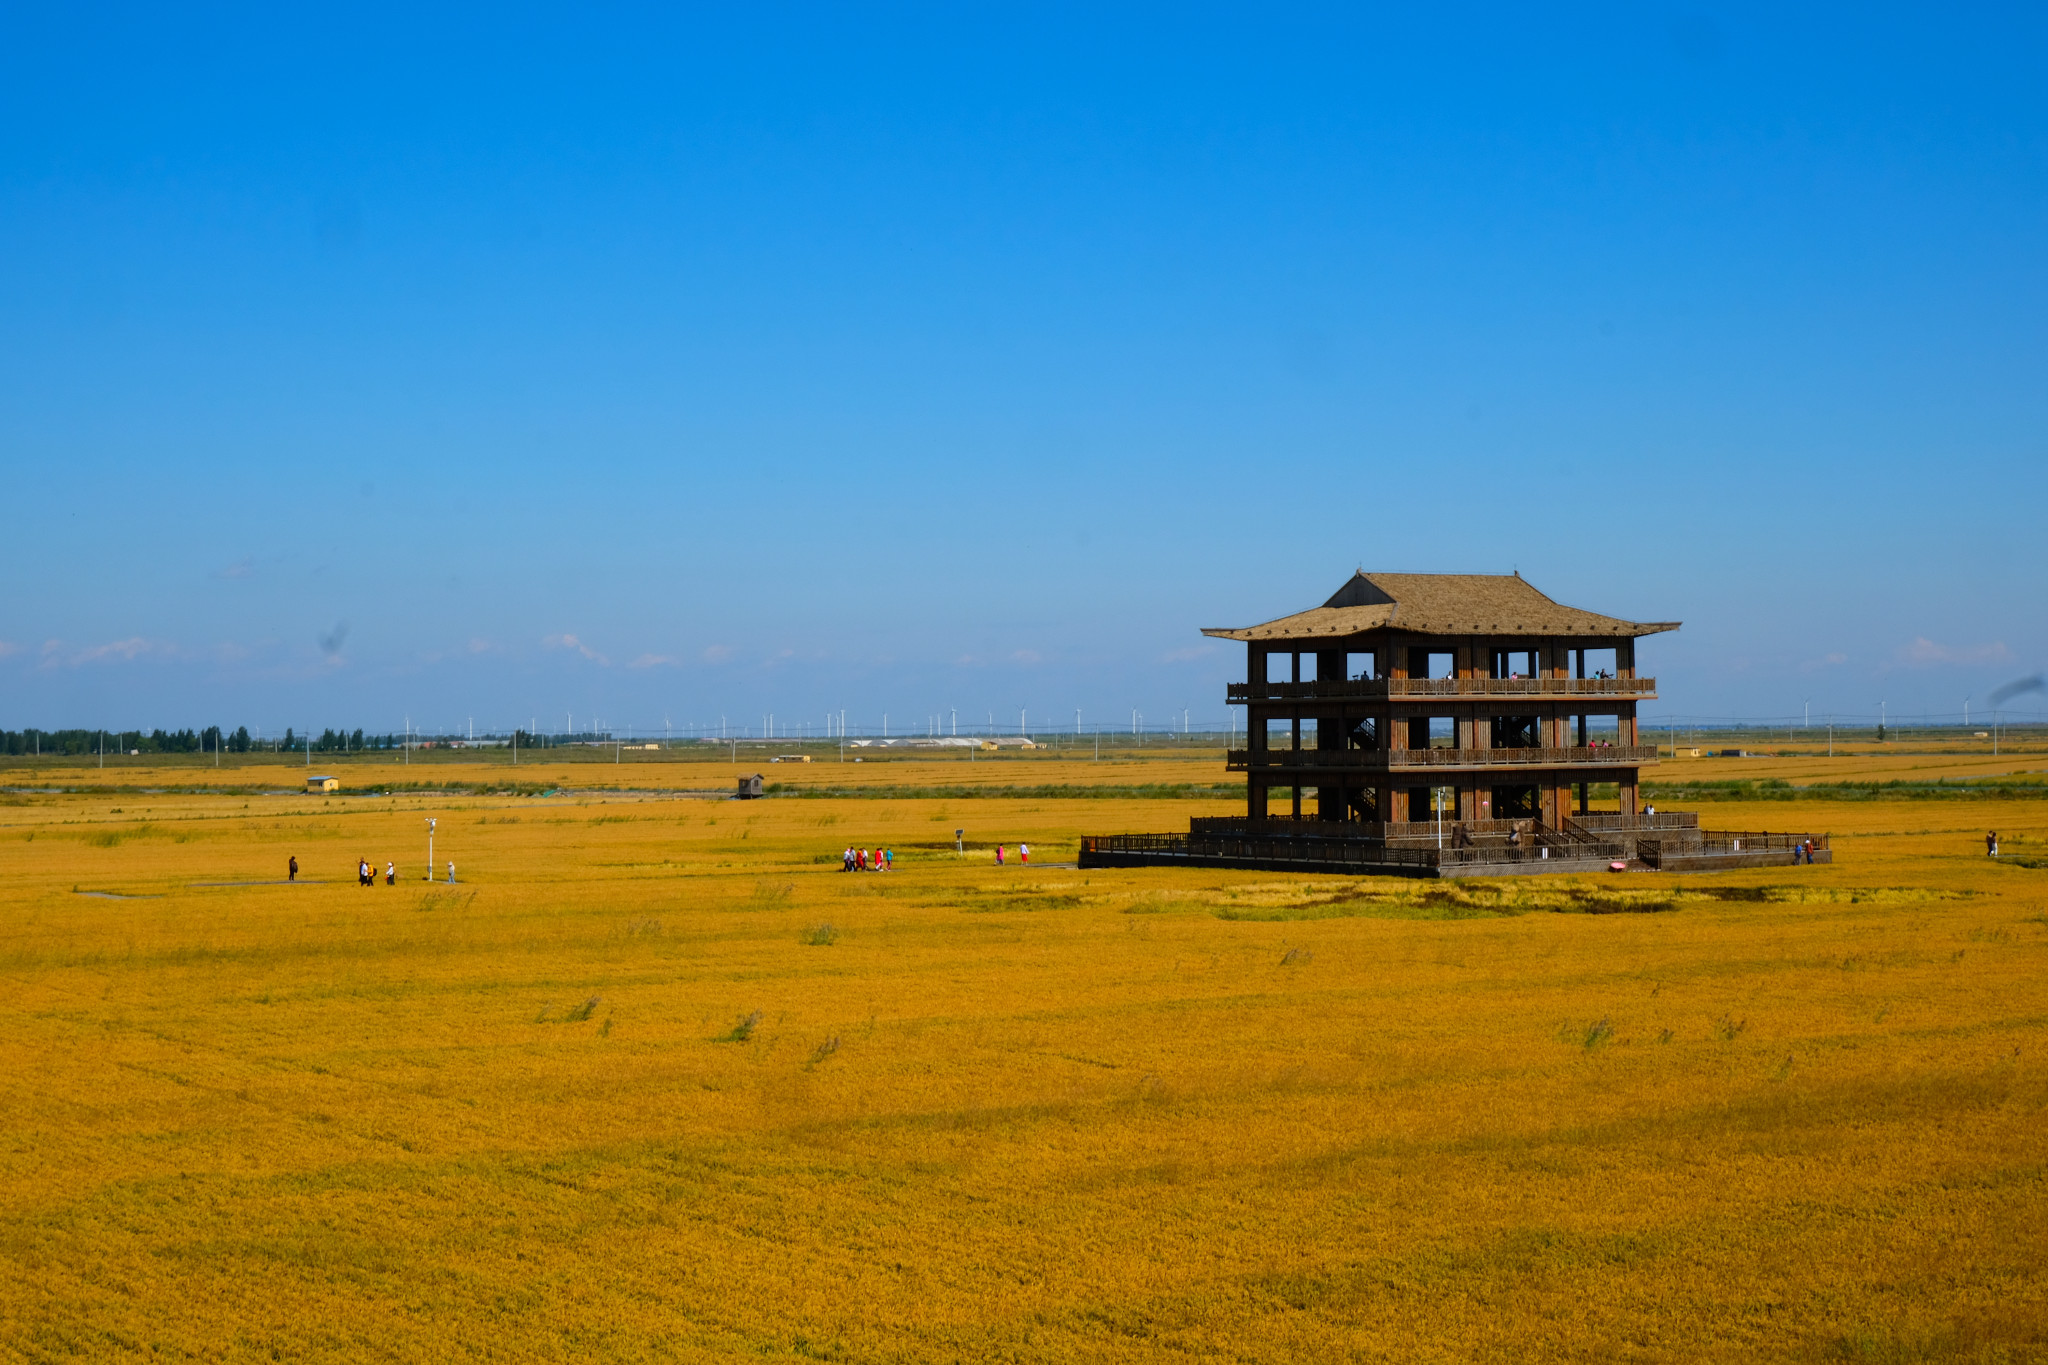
column 323, row 784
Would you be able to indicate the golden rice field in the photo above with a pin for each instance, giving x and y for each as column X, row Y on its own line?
column 654, row 1080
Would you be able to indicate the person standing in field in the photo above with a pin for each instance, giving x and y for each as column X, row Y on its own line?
column 291, row 871
column 1991, row 844
column 451, row 872
column 888, row 860
column 390, row 874
column 362, row 872
column 999, row 855
column 1023, row 855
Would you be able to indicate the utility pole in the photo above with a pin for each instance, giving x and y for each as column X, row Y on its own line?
column 430, row 848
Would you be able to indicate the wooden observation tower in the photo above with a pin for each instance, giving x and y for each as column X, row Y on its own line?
column 1473, row 693
column 1444, row 725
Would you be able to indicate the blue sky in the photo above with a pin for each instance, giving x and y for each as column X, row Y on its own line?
column 636, row 364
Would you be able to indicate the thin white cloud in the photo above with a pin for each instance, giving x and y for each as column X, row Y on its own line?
column 1025, row 656
column 8, row 647
column 1825, row 661
column 241, row 568
column 57, row 655
column 717, row 654
column 653, row 661
column 572, row 643
column 1925, row 653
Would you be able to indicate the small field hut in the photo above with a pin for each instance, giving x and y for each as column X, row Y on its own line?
column 323, row 784
column 750, row 787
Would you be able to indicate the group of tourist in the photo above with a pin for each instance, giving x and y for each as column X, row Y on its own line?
column 884, row 859
column 868, row 860
column 366, row 874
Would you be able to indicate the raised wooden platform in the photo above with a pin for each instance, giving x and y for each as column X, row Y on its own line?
column 1670, row 843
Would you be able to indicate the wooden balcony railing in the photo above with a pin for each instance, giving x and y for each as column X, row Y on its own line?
column 1592, row 756
column 1375, row 689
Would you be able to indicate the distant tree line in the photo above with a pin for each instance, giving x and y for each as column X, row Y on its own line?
column 210, row 740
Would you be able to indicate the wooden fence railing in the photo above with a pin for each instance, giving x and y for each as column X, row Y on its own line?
column 1375, row 688
column 1594, row 756
column 1601, row 822
column 1726, row 843
column 1325, row 853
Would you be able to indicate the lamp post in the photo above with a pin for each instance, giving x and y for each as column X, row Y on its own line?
column 430, row 848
